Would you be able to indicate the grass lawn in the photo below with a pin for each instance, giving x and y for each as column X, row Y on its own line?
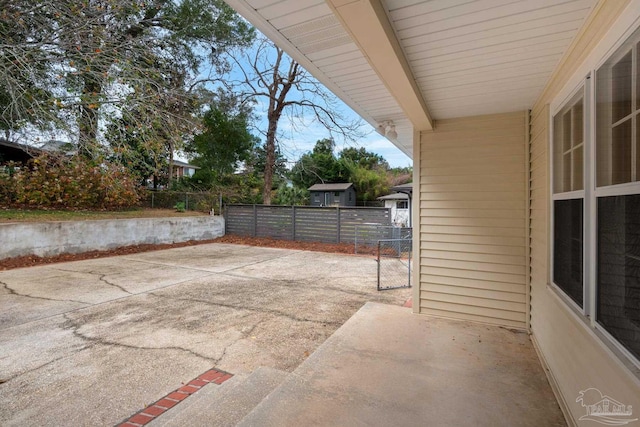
column 27, row 215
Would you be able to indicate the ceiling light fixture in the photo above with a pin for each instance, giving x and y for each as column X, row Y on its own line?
column 387, row 128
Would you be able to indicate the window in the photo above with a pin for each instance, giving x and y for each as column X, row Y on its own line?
column 568, row 204
column 617, row 194
column 618, row 281
column 402, row 204
column 596, row 198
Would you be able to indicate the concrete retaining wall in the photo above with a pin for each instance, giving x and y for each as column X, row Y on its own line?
column 54, row 238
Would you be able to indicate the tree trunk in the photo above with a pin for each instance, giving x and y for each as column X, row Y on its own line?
column 270, row 148
column 170, row 162
column 88, row 120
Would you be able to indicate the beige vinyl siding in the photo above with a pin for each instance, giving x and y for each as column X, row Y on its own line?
column 576, row 357
column 472, row 220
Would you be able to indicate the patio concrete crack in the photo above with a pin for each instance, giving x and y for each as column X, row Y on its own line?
column 16, row 293
column 102, row 279
column 253, row 328
column 6, row 380
column 71, row 324
column 219, row 359
column 252, row 309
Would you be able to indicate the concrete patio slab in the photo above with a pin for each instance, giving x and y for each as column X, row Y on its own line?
column 213, row 258
column 93, row 342
column 386, row 366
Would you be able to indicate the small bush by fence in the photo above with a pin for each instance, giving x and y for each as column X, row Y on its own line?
column 303, row 223
column 201, row 201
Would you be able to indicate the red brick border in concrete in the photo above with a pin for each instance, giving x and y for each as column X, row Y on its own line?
column 172, row 399
column 409, row 303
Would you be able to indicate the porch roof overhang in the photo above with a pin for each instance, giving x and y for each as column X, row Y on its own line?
column 416, row 61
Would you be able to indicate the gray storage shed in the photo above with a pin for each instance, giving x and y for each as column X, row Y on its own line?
column 338, row 194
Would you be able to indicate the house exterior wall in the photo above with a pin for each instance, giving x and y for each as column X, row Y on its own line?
column 348, row 197
column 399, row 217
column 577, row 358
column 472, row 227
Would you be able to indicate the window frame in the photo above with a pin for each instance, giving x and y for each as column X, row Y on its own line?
column 591, row 192
column 584, row 86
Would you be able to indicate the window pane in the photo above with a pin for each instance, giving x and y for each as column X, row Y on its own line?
column 621, row 153
column 616, row 116
column 621, row 88
column 637, row 77
column 568, row 146
column 619, row 269
column 568, row 247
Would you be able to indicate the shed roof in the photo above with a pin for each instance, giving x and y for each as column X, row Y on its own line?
column 403, row 188
column 394, row 196
column 340, row 186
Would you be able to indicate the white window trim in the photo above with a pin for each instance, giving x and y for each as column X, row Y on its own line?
column 626, row 25
column 585, row 310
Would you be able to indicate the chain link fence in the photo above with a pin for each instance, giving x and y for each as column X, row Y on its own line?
column 190, row 201
column 368, row 235
column 394, row 263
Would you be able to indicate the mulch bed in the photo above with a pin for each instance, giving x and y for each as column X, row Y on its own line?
column 34, row 260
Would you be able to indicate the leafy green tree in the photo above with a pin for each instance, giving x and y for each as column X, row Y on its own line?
column 225, row 141
column 96, row 56
column 319, row 166
column 291, row 196
column 363, row 158
column 369, row 183
column 24, row 94
column 369, row 172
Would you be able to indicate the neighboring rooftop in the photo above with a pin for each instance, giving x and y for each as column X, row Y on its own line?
column 339, row 186
column 184, row 165
column 403, row 188
column 12, row 151
column 394, row 196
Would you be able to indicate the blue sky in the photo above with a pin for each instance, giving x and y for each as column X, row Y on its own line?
column 295, row 140
column 299, row 137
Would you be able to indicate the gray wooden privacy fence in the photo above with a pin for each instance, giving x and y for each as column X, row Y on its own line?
column 303, row 223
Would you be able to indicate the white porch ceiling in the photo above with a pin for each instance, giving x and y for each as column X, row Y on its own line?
column 468, row 57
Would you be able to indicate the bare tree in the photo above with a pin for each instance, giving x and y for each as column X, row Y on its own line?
column 268, row 73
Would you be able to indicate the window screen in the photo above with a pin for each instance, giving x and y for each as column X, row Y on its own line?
column 568, row 248
column 618, row 304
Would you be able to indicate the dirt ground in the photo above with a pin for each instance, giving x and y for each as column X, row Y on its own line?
column 34, row 260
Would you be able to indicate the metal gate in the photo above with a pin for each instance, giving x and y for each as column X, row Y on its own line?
column 394, row 263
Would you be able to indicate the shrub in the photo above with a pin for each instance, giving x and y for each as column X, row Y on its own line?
column 53, row 182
